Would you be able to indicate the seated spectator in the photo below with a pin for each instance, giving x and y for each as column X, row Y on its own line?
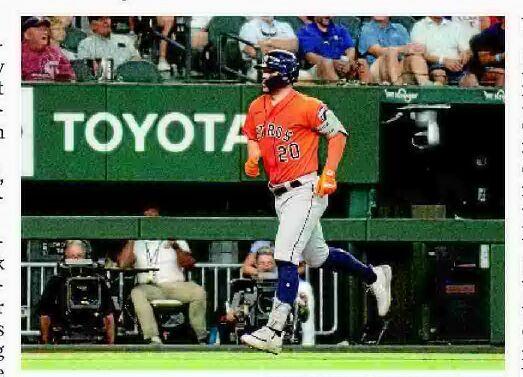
column 57, row 36
column 447, row 50
column 40, row 60
column 170, row 257
column 104, row 44
column 489, row 54
column 52, row 306
column 390, row 55
column 268, row 34
column 331, row 51
column 260, row 264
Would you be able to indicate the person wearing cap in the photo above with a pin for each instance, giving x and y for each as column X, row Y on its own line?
column 104, row 44
column 41, row 60
column 166, row 283
column 260, row 264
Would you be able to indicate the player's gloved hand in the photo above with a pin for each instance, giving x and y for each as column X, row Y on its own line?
column 251, row 167
column 326, row 184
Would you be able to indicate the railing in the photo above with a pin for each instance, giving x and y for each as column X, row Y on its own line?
column 200, row 275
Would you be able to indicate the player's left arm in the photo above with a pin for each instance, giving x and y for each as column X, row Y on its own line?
column 331, row 128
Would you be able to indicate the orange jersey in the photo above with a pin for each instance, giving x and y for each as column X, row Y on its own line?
column 286, row 134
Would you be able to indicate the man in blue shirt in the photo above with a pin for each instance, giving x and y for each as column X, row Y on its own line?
column 331, row 52
column 390, row 55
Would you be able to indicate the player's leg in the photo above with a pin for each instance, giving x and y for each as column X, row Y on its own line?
column 306, row 297
column 298, row 211
column 318, row 254
column 141, row 295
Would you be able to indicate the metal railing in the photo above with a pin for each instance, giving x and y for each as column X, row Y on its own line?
column 199, row 275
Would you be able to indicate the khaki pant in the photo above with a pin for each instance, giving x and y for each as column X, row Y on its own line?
column 186, row 292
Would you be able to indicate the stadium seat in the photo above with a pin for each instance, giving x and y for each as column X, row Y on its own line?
column 219, row 44
column 353, row 24
column 406, row 21
column 73, row 37
column 138, row 71
column 82, row 70
column 294, row 21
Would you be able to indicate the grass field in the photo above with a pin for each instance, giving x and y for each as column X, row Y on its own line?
column 243, row 359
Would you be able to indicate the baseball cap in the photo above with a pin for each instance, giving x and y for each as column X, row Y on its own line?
column 256, row 245
column 183, row 245
column 35, row 21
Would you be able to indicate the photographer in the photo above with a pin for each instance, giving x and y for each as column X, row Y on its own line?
column 52, row 303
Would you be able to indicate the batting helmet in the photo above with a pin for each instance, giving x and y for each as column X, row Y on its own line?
column 285, row 64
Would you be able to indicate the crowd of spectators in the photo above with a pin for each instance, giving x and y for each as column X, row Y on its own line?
column 435, row 50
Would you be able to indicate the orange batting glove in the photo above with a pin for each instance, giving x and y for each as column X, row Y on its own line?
column 251, row 167
column 326, row 184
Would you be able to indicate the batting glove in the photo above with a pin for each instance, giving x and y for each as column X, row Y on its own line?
column 326, row 183
column 251, row 167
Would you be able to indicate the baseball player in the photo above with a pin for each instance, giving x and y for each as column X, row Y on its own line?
column 283, row 128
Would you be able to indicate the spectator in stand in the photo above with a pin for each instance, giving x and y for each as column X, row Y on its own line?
column 57, row 36
column 104, row 44
column 260, row 264
column 390, row 55
column 52, row 303
column 331, row 51
column 165, row 23
column 171, row 258
column 489, row 54
column 268, row 34
column 447, row 50
column 40, row 60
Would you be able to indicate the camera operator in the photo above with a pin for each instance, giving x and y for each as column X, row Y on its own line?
column 52, row 303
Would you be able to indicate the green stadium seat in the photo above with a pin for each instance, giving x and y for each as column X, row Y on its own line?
column 82, row 70
column 406, row 21
column 294, row 21
column 138, row 71
column 353, row 24
column 73, row 37
column 221, row 25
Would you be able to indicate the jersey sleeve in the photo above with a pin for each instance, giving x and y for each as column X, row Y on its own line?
column 249, row 129
column 323, row 121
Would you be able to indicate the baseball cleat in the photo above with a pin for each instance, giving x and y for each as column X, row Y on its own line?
column 264, row 339
column 381, row 288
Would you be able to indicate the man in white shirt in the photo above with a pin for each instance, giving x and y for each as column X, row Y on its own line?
column 447, row 50
column 166, row 283
column 269, row 34
column 104, row 44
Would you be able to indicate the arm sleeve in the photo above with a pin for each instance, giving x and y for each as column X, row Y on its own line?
column 306, row 41
column 286, row 31
column 64, row 67
column 248, row 33
column 416, row 35
column 463, row 39
column 404, row 34
column 323, row 121
column 367, row 39
column 248, row 128
column 83, row 51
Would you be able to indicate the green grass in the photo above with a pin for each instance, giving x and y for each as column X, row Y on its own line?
column 260, row 361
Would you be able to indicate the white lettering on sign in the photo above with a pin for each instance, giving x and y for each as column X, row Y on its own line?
column 140, row 129
column 209, row 120
column 90, row 128
column 69, row 119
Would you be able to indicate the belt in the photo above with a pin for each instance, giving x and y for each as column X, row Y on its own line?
column 283, row 189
